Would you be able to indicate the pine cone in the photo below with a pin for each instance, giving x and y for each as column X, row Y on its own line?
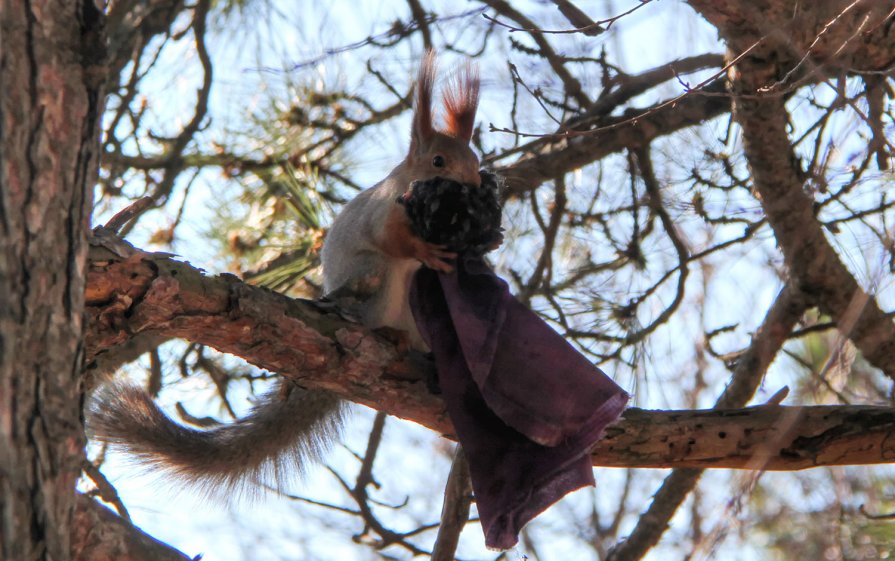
column 463, row 218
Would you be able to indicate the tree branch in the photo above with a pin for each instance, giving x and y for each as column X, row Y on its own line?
column 455, row 511
column 131, row 292
column 549, row 157
column 572, row 85
column 766, row 437
column 813, row 47
column 98, row 534
column 789, row 307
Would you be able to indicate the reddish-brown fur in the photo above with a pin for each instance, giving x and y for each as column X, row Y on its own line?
column 423, row 130
column 461, row 98
column 397, row 238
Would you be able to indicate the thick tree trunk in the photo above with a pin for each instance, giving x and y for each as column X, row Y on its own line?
column 50, row 79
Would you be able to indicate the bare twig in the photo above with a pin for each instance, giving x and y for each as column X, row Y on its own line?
column 455, row 512
column 104, row 489
column 790, row 211
column 575, row 17
column 572, row 85
column 886, row 516
column 128, row 213
column 579, row 19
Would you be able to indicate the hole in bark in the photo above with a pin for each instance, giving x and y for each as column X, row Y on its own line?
column 722, row 434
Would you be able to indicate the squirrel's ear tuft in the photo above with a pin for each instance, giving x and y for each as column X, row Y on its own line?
column 461, row 98
column 423, row 130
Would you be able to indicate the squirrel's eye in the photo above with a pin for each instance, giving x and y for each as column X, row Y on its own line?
column 438, row 161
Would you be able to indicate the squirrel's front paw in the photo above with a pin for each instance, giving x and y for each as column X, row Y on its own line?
column 436, row 257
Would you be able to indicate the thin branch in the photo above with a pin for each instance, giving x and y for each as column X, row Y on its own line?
column 575, row 17
column 402, row 29
column 420, row 17
column 127, row 214
column 546, row 158
column 551, row 230
column 173, row 156
column 455, row 512
column 105, row 490
column 573, row 87
column 579, row 19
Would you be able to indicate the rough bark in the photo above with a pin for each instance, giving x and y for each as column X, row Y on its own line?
column 101, row 535
column 810, row 258
column 50, row 76
column 131, row 292
column 50, row 73
column 816, row 39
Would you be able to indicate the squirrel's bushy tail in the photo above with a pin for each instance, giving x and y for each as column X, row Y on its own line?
column 289, row 428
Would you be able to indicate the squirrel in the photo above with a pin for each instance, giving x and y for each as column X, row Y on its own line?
column 370, row 254
column 369, row 257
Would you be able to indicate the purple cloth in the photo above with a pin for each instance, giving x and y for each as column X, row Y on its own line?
column 526, row 405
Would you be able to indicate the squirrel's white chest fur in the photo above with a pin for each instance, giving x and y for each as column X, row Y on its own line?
column 396, row 299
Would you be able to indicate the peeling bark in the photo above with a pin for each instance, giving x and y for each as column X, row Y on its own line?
column 132, row 293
